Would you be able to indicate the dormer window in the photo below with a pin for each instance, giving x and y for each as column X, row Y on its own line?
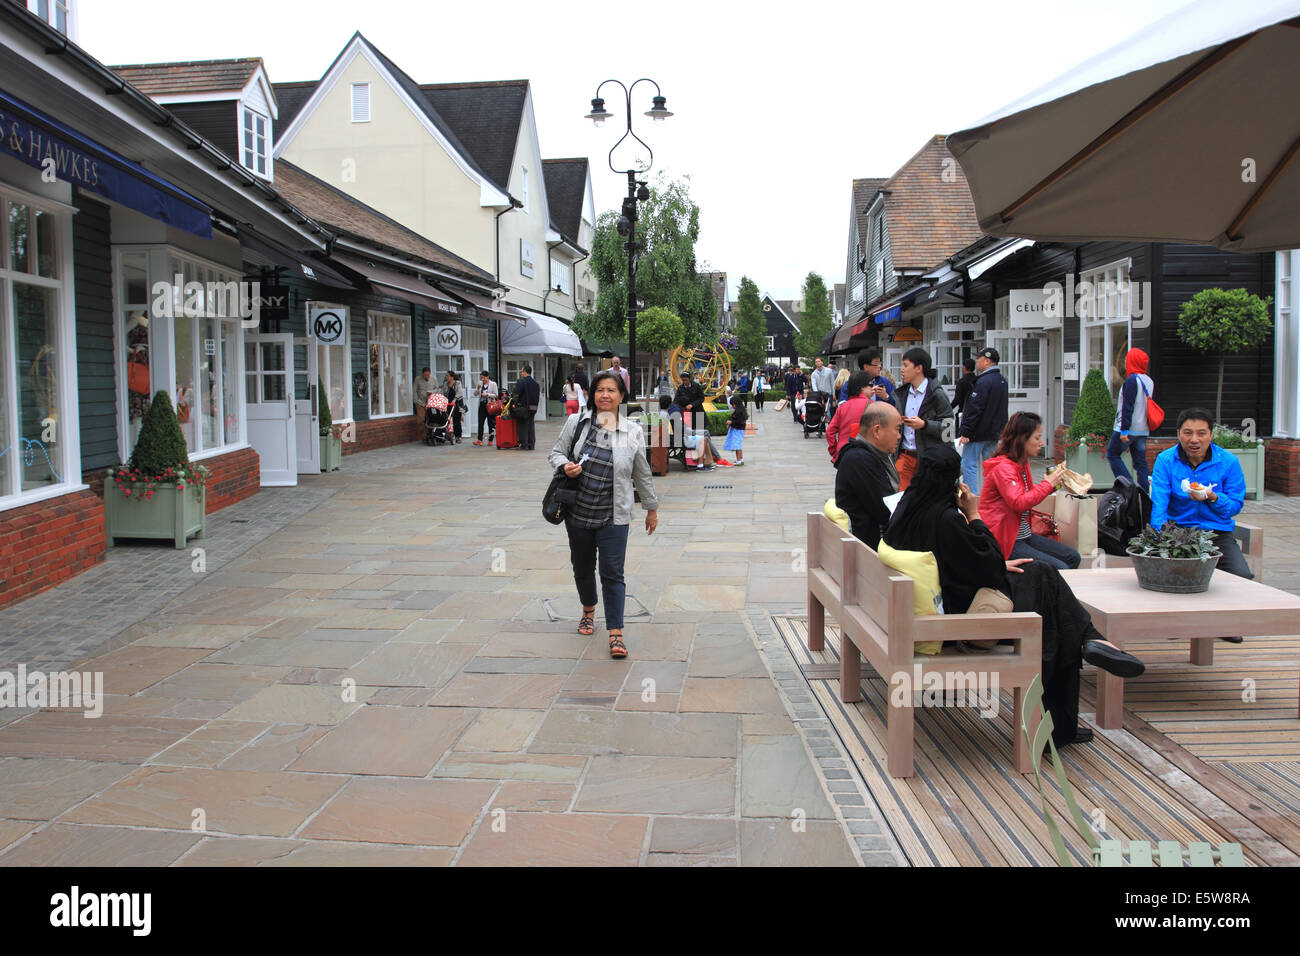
column 255, row 138
column 57, row 13
column 361, row 102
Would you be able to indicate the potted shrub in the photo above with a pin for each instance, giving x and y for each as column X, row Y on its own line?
column 158, row 493
column 1090, row 428
column 1223, row 322
column 331, row 445
column 1249, row 451
column 1175, row 559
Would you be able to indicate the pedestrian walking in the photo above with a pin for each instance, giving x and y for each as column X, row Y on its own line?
column 984, row 415
column 760, row 388
column 528, row 396
column 572, row 397
column 455, row 393
column 421, row 392
column 487, row 392
column 1131, row 423
column 608, row 456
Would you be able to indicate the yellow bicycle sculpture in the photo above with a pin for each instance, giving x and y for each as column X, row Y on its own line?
column 711, row 369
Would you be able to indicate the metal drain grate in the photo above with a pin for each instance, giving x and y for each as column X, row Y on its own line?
column 719, row 487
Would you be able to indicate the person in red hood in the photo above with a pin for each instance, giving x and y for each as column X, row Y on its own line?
column 1131, row 425
column 1009, row 494
column 848, row 414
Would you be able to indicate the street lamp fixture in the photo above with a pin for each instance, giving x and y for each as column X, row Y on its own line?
column 636, row 191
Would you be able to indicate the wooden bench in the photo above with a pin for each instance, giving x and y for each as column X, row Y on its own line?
column 873, row 606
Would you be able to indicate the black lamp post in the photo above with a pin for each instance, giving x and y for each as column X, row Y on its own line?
column 636, row 190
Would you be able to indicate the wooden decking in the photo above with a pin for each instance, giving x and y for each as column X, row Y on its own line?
column 1193, row 761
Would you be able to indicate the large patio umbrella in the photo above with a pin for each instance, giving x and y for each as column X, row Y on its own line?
column 1186, row 132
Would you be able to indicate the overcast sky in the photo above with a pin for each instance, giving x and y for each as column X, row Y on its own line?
column 779, row 106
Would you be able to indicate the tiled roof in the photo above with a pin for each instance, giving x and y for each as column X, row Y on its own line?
column 864, row 190
column 341, row 213
column 566, row 192
column 199, row 76
column 928, row 218
column 485, row 117
column 290, row 97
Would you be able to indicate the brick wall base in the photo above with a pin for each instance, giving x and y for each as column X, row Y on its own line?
column 235, row 476
column 45, row 543
column 1282, row 465
column 384, row 433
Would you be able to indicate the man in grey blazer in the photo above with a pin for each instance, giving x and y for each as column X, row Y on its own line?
column 928, row 418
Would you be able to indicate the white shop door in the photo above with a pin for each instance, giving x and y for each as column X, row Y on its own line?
column 1021, row 363
column 306, row 409
column 271, row 412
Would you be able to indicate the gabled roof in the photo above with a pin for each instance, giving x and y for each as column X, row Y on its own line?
column 197, row 76
column 864, row 190
column 786, row 308
column 566, row 192
column 353, row 219
column 929, row 212
column 485, row 118
column 290, row 97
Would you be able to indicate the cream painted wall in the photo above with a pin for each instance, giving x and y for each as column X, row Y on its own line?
column 530, row 224
column 394, row 164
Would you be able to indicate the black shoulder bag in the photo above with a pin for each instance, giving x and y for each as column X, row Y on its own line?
column 563, row 490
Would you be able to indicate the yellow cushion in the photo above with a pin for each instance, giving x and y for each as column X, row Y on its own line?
column 838, row 515
column 921, row 567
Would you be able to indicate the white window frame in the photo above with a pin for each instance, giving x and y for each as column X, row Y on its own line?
column 352, row 102
column 49, row 10
column 408, row 375
column 1108, row 308
column 560, row 276
column 248, row 158
column 67, row 459
column 1286, row 348
column 771, row 343
column 325, row 369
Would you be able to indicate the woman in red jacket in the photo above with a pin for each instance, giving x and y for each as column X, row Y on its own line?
column 1009, row 494
column 848, row 416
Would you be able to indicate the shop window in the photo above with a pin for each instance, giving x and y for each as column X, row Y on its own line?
column 334, row 366
column 37, row 433
column 389, row 340
column 1105, row 312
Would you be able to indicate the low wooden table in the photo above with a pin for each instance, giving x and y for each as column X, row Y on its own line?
column 1122, row 610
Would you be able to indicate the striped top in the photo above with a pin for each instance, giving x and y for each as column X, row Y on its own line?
column 594, row 507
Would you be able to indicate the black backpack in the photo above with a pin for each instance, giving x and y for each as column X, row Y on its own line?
column 1122, row 514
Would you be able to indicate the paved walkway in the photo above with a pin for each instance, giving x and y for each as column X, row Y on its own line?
column 383, row 667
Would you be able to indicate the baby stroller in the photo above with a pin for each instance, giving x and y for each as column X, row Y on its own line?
column 437, row 420
column 814, row 414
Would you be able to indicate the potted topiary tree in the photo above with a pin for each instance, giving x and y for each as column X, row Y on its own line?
column 1090, row 428
column 1224, row 322
column 158, row 493
column 331, row 446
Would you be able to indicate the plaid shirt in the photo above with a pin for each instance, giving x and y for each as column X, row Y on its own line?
column 594, row 507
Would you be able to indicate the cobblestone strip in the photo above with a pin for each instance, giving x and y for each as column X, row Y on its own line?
column 854, row 807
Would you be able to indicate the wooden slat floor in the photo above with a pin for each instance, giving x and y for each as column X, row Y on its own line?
column 1193, row 762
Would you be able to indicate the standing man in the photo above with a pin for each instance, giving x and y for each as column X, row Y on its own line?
column 487, row 392
column 421, row 391
column 866, row 474
column 927, row 417
column 823, row 379
column 622, row 373
column 983, row 417
column 880, row 388
column 964, row 384
column 528, row 395
column 580, row 379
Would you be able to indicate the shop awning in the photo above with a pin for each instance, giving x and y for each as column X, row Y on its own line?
column 38, row 140
column 851, row 336
column 281, row 255
column 936, row 293
column 488, row 307
column 539, row 335
column 399, row 284
column 827, row 342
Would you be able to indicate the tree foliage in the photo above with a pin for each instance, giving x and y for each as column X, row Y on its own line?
column 816, row 320
column 658, row 329
column 1094, row 412
column 751, row 329
column 161, row 444
column 667, row 228
column 1225, row 321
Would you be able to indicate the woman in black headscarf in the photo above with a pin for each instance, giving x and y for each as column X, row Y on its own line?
column 939, row 513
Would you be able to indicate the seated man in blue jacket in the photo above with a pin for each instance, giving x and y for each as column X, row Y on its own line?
column 1198, row 460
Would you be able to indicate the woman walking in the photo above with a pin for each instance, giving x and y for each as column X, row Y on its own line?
column 760, row 386
column 931, row 517
column 572, row 396
column 606, row 452
column 1008, row 495
column 1131, row 425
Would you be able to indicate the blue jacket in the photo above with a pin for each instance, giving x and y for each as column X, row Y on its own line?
column 984, row 413
column 1170, row 503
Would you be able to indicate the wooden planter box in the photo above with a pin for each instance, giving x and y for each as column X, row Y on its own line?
column 1252, row 465
column 170, row 514
column 1089, row 461
column 331, row 453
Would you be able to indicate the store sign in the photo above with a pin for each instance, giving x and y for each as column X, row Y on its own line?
column 1035, row 309
column 326, row 323
column 961, row 320
column 448, row 308
column 907, row 334
column 525, row 258
column 446, row 338
column 1070, row 367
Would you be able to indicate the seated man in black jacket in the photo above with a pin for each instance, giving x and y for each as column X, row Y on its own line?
column 690, row 399
column 865, row 475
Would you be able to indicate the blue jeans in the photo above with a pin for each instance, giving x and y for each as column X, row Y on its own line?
column 611, row 544
column 973, row 455
column 1049, row 552
column 1137, row 447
